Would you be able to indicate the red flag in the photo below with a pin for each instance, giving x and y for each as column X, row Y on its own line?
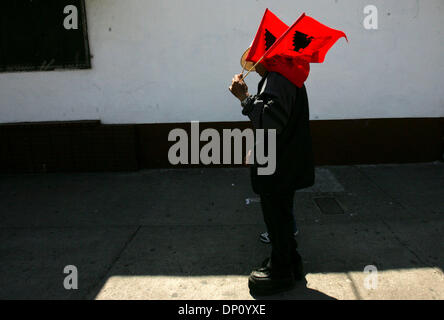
column 270, row 29
column 305, row 41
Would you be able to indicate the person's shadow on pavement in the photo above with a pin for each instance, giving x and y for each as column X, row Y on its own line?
column 299, row 292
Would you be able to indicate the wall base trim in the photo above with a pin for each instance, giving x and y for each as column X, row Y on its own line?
column 91, row 146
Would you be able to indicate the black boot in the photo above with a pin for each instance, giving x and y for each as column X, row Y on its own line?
column 264, row 281
column 298, row 267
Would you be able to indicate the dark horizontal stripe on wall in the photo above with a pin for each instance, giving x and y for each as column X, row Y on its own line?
column 72, row 146
column 154, row 144
column 92, row 146
column 373, row 141
column 358, row 141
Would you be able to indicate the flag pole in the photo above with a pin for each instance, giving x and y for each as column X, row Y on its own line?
column 243, row 67
column 243, row 77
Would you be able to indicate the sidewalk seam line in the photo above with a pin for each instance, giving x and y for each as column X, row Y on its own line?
column 354, row 287
column 111, row 265
column 385, row 192
column 403, row 244
column 417, row 256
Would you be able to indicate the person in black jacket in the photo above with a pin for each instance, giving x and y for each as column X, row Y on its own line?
column 282, row 106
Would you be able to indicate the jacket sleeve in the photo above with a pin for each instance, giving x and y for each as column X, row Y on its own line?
column 266, row 112
column 271, row 107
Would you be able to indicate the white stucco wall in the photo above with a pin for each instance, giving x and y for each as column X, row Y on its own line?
column 173, row 60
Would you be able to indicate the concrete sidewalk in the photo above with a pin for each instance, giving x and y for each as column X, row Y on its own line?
column 193, row 234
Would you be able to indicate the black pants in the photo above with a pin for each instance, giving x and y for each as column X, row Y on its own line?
column 278, row 216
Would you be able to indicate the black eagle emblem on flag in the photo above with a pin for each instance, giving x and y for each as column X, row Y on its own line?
column 301, row 41
column 269, row 39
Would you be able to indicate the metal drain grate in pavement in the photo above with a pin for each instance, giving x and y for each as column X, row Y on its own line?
column 328, row 205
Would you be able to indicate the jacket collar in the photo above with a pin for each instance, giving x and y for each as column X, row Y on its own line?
column 261, row 83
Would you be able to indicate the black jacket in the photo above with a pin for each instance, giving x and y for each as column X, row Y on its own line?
column 281, row 105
